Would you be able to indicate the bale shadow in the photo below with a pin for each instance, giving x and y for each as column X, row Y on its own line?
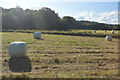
column 20, row 64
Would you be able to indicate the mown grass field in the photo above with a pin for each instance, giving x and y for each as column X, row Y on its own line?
column 74, row 32
column 65, row 56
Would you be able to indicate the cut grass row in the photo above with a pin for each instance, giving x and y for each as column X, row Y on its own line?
column 99, row 33
column 61, row 56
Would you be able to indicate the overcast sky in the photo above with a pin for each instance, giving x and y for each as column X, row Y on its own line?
column 92, row 10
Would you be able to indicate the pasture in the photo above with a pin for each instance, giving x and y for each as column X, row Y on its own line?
column 65, row 56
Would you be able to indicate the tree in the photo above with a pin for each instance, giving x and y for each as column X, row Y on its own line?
column 19, row 15
column 49, row 19
column 69, row 22
column 45, row 19
column 8, row 22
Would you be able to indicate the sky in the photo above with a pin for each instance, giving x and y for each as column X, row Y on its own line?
column 91, row 10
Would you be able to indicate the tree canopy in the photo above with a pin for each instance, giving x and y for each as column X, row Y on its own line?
column 45, row 19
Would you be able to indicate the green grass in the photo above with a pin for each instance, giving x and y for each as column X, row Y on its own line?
column 64, row 56
column 99, row 33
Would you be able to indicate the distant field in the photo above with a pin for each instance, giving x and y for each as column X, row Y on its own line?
column 99, row 33
column 64, row 56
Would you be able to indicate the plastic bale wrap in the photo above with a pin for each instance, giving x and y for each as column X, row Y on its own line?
column 109, row 38
column 94, row 31
column 105, row 30
column 18, row 49
column 37, row 35
column 112, row 31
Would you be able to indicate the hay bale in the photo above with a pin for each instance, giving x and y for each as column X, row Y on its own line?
column 112, row 31
column 93, row 31
column 37, row 35
column 17, row 49
column 108, row 38
column 105, row 30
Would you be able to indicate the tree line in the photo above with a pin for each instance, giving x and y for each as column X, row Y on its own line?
column 45, row 19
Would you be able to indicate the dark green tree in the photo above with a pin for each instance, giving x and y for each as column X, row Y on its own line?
column 69, row 22
column 47, row 19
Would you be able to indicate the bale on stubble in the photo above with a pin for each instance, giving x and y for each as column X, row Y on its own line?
column 112, row 31
column 37, row 35
column 105, row 30
column 108, row 38
column 18, row 49
column 93, row 31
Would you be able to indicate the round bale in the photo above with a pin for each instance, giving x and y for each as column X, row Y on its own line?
column 93, row 31
column 37, row 35
column 109, row 38
column 18, row 49
column 112, row 32
column 105, row 30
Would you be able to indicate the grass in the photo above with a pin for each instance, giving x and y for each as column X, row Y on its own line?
column 75, row 32
column 64, row 56
column 17, row 76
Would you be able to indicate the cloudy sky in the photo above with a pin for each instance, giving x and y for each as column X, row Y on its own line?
column 91, row 10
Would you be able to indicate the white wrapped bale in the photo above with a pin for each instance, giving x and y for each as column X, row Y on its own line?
column 37, row 35
column 93, row 31
column 18, row 49
column 112, row 32
column 105, row 30
column 109, row 38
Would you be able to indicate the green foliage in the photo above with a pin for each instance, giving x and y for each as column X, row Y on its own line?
column 45, row 19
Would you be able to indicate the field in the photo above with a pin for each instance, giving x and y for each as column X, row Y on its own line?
column 65, row 56
column 74, row 32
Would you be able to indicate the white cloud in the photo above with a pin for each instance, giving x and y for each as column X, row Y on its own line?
column 106, row 17
column 86, row 16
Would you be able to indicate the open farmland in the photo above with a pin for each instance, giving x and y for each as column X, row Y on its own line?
column 65, row 56
column 73, row 32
